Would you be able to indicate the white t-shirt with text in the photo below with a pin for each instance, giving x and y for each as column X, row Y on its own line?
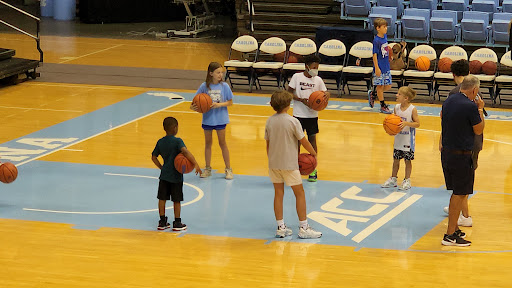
column 304, row 86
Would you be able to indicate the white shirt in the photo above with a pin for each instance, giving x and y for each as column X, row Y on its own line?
column 406, row 139
column 304, row 86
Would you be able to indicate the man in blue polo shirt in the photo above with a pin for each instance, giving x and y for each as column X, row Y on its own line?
column 461, row 119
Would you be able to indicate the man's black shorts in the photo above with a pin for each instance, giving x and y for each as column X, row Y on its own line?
column 309, row 124
column 459, row 174
column 170, row 191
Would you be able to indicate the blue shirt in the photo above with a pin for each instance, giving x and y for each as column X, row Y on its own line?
column 459, row 115
column 219, row 93
column 380, row 47
column 169, row 147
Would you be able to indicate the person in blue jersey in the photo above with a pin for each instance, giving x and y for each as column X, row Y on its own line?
column 217, row 117
column 381, row 69
column 170, row 186
column 405, row 140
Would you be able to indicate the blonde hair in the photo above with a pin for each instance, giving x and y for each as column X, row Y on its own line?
column 280, row 100
column 379, row 22
column 407, row 92
column 209, row 78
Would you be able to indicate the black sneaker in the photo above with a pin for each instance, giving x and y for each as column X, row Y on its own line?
column 454, row 240
column 371, row 98
column 178, row 226
column 460, row 234
column 162, row 225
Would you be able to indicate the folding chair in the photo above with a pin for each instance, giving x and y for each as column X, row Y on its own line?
column 265, row 64
column 441, row 78
column 360, row 56
column 333, row 53
column 414, row 76
column 504, row 78
column 301, row 47
column 241, row 64
column 486, row 81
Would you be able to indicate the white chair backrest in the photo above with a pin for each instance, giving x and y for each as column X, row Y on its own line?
column 423, row 50
column 303, row 46
column 455, row 53
column 273, row 45
column 333, row 48
column 505, row 59
column 483, row 55
column 245, row 43
column 362, row 49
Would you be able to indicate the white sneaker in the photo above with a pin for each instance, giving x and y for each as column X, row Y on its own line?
column 391, row 182
column 406, row 185
column 207, row 172
column 446, row 210
column 283, row 232
column 229, row 174
column 465, row 222
column 309, row 233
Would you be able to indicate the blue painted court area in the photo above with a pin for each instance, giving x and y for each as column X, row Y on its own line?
column 94, row 196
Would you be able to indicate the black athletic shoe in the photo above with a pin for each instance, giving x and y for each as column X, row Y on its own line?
column 178, row 226
column 460, row 234
column 454, row 240
column 371, row 99
column 162, row 225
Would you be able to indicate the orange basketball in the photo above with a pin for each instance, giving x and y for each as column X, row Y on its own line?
column 182, row 164
column 317, row 101
column 8, row 172
column 489, row 67
column 445, row 65
column 307, row 163
column 392, row 124
column 279, row 57
column 203, row 102
column 422, row 63
column 475, row 67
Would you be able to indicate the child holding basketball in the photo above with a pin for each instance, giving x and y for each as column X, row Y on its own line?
column 170, row 186
column 217, row 117
column 301, row 86
column 381, row 68
column 405, row 140
column 283, row 134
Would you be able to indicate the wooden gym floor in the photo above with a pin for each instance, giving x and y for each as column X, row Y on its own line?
column 113, row 129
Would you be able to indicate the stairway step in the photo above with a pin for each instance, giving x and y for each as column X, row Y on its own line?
column 305, row 2
column 289, row 37
column 16, row 66
column 6, row 53
column 281, row 26
column 287, row 7
column 301, row 18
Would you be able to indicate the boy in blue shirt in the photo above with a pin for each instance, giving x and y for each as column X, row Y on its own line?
column 171, row 181
column 381, row 69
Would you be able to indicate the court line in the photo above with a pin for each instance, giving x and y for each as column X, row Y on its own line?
column 98, row 134
column 386, row 218
column 67, row 85
column 74, row 150
column 89, row 54
column 41, row 109
column 329, row 120
column 199, row 197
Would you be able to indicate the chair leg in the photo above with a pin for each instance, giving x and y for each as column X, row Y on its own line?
column 251, row 81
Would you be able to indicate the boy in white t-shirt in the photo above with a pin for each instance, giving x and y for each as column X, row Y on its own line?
column 301, row 86
column 283, row 134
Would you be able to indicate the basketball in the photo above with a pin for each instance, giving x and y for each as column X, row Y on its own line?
column 307, row 163
column 475, row 67
column 392, row 124
column 8, row 172
column 422, row 63
column 182, row 164
column 445, row 65
column 293, row 59
column 203, row 102
column 279, row 57
column 317, row 101
column 489, row 68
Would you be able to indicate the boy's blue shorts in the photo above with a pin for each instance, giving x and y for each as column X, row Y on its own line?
column 383, row 79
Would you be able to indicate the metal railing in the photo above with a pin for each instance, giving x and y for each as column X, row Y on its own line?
column 38, row 21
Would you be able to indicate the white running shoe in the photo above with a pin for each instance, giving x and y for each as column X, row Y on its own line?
column 446, row 210
column 229, row 174
column 207, row 172
column 391, row 182
column 283, row 232
column 309, row 233
column 465, row 222
column 406, row 185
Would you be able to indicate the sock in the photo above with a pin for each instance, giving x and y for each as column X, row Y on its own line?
column 162, row 218
column 177, row 220
column 280, row 223
column 303, row 224
column 382, row 103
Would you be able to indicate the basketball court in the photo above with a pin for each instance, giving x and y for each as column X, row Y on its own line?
column 83, row 211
